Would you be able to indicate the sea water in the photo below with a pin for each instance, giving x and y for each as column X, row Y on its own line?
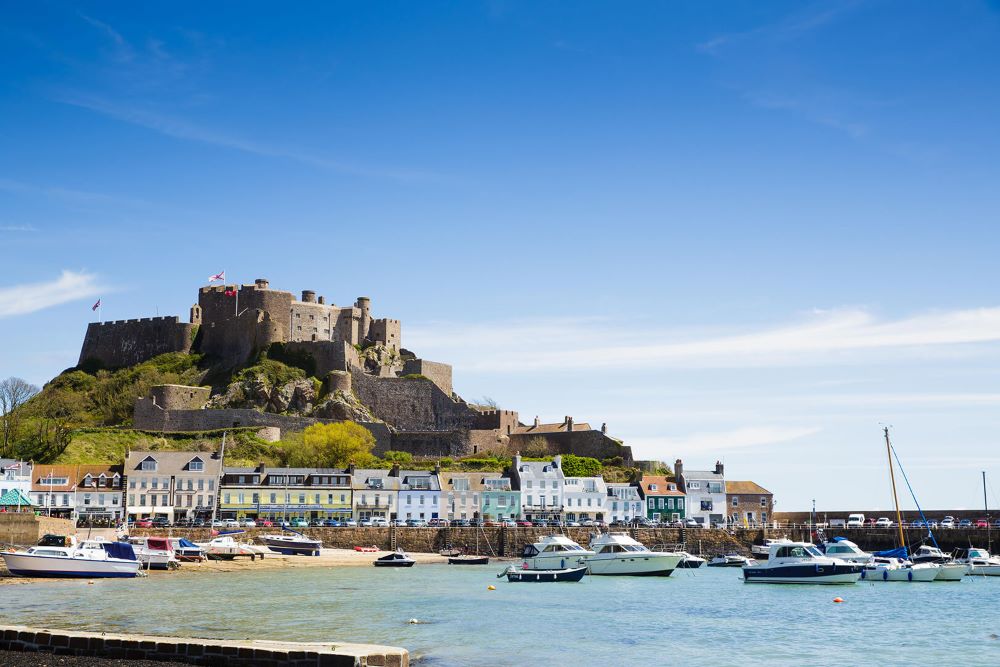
column 706, row 616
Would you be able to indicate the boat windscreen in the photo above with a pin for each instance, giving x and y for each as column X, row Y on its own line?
column 121, row 550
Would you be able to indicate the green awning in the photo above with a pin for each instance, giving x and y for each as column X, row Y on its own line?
column 15, row 498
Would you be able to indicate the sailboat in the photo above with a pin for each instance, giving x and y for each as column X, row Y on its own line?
column 894, row 564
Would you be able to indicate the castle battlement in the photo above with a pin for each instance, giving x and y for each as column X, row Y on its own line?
column 173, row 319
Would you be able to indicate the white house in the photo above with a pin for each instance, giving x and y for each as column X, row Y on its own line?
column 706, row 493
column 624, row 503
column 175, row 485
column 419, row 495
column 541, row 486
column 374, row 494
column 584, row 498
column 15, row 475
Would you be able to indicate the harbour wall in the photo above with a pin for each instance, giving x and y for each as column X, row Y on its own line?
column 881, row 539
column 219, row 653
column 25, row 528
column 908, row 515
column 489, row 541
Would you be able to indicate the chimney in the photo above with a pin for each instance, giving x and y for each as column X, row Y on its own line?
column 261, row 283
column 308, row 296
column 437, row 467
column 718, row 467
column 537, row 422
column 569, row 423
column 679, row 473
column 394, row 471
column 604, row 428
column 322, row 301
column 351, row 468
column 557, row 462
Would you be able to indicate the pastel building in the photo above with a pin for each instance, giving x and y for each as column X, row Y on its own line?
column 584, row 497
column 624, row 503
column 99, row 494
column 462, row 492
column 15, row 476
column 664, row 500
column 540, row 484
column 706, row 493
column 749, row 503
column 174, row 485
column 374, row 494
column 499, row 499
column 419, row 495
column 278, row 494
column 53, row 489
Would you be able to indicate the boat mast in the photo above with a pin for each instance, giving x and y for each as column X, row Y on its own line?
column 986, row 507
column 892, row 478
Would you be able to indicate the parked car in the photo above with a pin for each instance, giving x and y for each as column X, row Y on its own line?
column 524, row 524
column 249, row 523
column 232, row 523
column 691, row 523
column 589, row 523
column 218, row 524
column 416, row 523
column 948, row 522
column 573, row 524
column 332, row 523
column 982, row 523
column 919, row 523
column 438, row 523
column 400, row 523
column 161, row 522
column 351, row 523
column 317, row 523
column 883, row 522
column 300, row 523
column 855, row 520
column 965, row 523
column 144, row 523
column 379, row 522
column 265, row 523
column 508, row 523
column 461, row 523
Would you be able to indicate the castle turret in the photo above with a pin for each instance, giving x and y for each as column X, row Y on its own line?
column 195, row 314
column 308, row 296
column 261, row 283
column 365, row 305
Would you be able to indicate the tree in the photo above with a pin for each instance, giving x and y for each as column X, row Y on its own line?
column 397, row 457
column 14, row 393
column 333, row 446
column 537, row 447
column 580, row 466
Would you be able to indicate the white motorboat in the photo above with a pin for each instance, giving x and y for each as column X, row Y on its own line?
column 886, row 568
column 555, row 552
column 980, row 562
column 90, row 560
column 731, row 560
column 292, row 544
column 764, row 550
column 225, row 547
column 690, row 562
column 185, row 551
column 949, row 568
column 801, row 563
column 398, row 558
column 155, row 553
column 619, row 554
column 843, row 549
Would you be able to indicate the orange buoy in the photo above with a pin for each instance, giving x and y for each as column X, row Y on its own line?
column 838, row 600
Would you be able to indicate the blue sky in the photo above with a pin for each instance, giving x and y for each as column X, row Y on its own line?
column 745, row 231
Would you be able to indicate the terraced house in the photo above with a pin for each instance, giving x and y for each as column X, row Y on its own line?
column 583, row 498
column 624, row 502
column 499, row 500
column 663, row 498
column 750, row 504
column 279, row 494
column 540, row 484
column 461, row 494
column 419, row 495
column 374, row 493
column 53, row 489
column 174, row 485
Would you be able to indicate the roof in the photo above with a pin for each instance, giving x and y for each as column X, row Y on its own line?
column 14, row 498
column 702, row 474
column 746, row 488
column 406, row 477
column 362, row 475
column 41, row 473
column 662, row 486
column 537, row 469
column 476, row 479
column 550, row 428
column 171, row 460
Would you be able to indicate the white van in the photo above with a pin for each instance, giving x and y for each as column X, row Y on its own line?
column 855, row 520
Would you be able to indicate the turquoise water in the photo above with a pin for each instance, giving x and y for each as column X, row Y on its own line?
column 703, row 617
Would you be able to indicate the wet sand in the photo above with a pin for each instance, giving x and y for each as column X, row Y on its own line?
column 271, row 561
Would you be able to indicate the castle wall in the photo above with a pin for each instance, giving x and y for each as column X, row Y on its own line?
column 216, row 307
column 411, row 405
column 328, row 355
column 387, row 332
column 129, row 342
column 179, row 397
column 503, row 421
column 582, row 443
column 430, row 443
column 234, row 342
column 438, row 373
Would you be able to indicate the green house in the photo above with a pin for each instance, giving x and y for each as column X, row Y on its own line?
column 665, row 502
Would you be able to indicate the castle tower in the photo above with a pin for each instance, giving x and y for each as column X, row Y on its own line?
column 365, row 304
column 195, row 314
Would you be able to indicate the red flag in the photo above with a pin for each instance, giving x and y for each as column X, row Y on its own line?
column 217, row 276
column 96, row 305
column 231, row 292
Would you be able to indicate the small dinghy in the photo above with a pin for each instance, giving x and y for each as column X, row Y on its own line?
column 520, row 574
column 731, row 560
column 396, row 559
column 469, row 560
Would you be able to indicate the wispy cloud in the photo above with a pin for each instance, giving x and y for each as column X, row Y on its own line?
column 789, row 27
column 18, row 228
column 181, row 129
column 32, row 297
column 713, row 441
column 122, row 49
column 821, row 337
column 67, row 194
column 821, row 111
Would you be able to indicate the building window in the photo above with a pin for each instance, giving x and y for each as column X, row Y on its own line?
column 736, row 501
column 142, row 499
column 652, row 503
column 226, row 498
column 274, row 498
column 196, row 465
column 148, row 464
column 763, row 502
column 131, row 499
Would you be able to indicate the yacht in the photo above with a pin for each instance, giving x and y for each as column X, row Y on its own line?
column 843, row 549
column 619, row 554
column 89, row 560
column 398, row 558
column 888, row 568
column 185, row 551
column 225, row 547
column 690, row 562
column 292, row 544
column 801, row 563
column 980, row 562
column 555, row 552
column 949, row 569
column 731, row 560
column 155, row 553
column 764, row 550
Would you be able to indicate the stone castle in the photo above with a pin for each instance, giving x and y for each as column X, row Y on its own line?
column 411, row 401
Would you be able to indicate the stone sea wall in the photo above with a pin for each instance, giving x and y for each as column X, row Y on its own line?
column 25, row 529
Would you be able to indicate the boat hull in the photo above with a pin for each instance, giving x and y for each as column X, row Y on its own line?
column 950, row 572
column 27, row 565
column 687, row 564
column 469, row 561
column 802, row 574
column 624, row 565
column 984, row 571
column 394, row 563
column 902, row 574
column 538, row 576
column 557, row 561
column 292, row 547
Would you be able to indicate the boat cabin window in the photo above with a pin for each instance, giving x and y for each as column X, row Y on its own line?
column 530, row 550
column 792, row 552
column 49, row 552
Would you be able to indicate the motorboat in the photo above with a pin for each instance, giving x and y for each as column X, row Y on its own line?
column 554, row 552
column 296, row 544
column 619, row 554
column 90, row 560
column 155, row 553
column 520, row 574
column 801, row 563
column 764, row 550
column 980, row 562
column 397, row 558
column 468, row 560
column 225, row 547
column 843, row 549
column 890, row 568
column 949, row 569
column 690, row 562
column 185, row 551
column 731, row 560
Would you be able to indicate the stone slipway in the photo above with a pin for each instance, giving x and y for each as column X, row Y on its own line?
column 216, row 652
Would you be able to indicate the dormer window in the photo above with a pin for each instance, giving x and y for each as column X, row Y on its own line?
column 196, row 465
column 148, row 464
column 652, row 487
column 673, row 487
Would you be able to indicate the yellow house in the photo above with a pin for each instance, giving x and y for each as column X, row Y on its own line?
column 310, row 494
